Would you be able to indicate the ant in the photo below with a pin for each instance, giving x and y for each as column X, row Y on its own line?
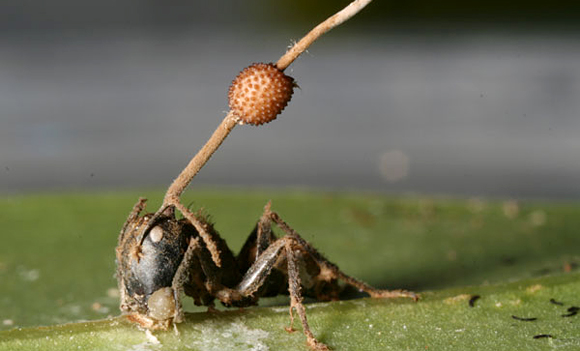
column 160, row 257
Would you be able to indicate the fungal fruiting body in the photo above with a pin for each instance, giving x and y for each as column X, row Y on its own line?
column 259, row 93
column 160, row 257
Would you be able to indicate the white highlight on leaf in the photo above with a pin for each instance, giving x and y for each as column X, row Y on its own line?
column 217, row 336
column 28, row 275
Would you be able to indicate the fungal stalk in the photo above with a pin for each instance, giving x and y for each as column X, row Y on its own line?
column 235, row 116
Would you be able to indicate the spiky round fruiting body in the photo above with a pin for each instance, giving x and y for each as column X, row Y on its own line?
column 259, row 93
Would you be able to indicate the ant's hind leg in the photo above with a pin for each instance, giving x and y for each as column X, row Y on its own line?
column 294, row 288
column 262, row 268
column 329, row 270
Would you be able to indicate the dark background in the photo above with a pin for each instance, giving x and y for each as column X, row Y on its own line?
column 161, row 15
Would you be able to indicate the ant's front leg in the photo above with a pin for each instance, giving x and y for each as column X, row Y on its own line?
column 208, row 235
column 216, row 261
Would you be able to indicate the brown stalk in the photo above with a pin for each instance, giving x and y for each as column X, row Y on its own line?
column 230, row 121
column 338, row 18
column 199, row 160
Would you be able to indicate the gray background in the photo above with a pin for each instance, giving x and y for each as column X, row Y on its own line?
column 121, row 94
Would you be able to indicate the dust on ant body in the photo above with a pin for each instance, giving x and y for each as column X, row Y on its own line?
column 160, row 257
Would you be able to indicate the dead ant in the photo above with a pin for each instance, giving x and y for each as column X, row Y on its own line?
column 159, row 257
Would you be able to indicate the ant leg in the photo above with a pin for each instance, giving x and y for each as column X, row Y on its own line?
column 137, row 209
column 265, row 236
column 199, row 277
column 216, row 259
column 132, row 218
column 182, row 276
column 257, row 242
column 209, row 236
column 256, row 276
column 294, row 287
column 288, row 247
column 329, row 271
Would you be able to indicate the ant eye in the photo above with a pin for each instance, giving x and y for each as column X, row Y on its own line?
column 161, row 304
column 156, row 234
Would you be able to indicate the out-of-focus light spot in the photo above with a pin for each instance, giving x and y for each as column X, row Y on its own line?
column 394, row 165
column 113, row 292
column 475, row 205
column 511, row 209
column 538, row 218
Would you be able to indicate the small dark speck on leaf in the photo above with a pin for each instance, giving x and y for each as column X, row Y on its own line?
column 572, row 311
column 556, row 302
column 541, row 336
column 524, row 319
column 473, row 299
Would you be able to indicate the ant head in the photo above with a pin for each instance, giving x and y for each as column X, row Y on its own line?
column 148, row 255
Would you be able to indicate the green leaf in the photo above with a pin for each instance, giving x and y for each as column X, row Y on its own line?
column 57, row 265
column 441, row 320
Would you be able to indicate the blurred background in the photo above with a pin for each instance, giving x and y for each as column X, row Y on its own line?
column 447, row 97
